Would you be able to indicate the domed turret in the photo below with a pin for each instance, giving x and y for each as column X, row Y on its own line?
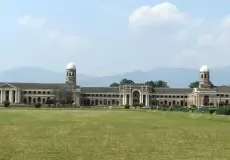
column 204, row 68
column 71, row 74
column 71, row 65
column 204, row 77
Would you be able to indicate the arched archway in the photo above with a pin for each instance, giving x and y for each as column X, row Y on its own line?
column 92, row 103
column 34, row 100
column 113, row 102
column 136, row 97
column 88, row 102
column 39, row 100
column 29, row 100
column 206, row 100
column 105, row 102
column 96, row 102
column 25, row 100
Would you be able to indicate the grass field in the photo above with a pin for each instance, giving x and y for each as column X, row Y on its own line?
column 74, row 134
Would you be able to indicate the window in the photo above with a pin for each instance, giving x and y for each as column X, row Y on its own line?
column 34, row 92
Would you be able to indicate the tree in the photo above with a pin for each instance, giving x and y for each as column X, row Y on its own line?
column 126, row 81
column 114, row 84
column 150, row 83
column 6, row 103
column 161, row 84
column 64, row 95
column 157, row 84
column 194, row 84
column 49, row 102
column 212, row 85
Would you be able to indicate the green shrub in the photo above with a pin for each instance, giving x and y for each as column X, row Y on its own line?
column 212, row 110
column 142, row 105
column 37, row 105
column 6, row 103
column 127, row 106
column 193, row 108
column 223, row 111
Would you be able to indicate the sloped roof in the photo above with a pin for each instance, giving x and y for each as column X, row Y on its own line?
column 99, row 89
column 223, row 89
column 35, row 85
column 172, row 90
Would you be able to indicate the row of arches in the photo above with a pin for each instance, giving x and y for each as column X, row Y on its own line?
column 170, row 103
column 207, row 101
column 35, row 100
column 96, row 102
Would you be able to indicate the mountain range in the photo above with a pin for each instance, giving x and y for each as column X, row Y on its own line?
column 176, row 77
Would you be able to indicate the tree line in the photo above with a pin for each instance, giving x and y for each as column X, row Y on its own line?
column 195, row 84
column 155, row 84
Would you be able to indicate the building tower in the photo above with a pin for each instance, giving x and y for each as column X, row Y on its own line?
column 204, row 77
column 71, row 74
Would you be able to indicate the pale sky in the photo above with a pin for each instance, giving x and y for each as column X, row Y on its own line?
column 105, row 37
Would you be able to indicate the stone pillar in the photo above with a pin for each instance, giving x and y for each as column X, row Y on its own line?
column 16, row 96
column 146, row 100
column 19, row 96
column 1, row 96
column 124, row 99
column 131, row 99
column 10, row 96
column 142, row 96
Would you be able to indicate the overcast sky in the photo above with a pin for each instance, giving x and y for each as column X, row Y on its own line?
column 105, row 37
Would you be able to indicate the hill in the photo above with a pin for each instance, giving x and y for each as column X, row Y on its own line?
column 176, row 77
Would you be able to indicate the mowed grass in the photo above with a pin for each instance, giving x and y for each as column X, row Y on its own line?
column 55, row 134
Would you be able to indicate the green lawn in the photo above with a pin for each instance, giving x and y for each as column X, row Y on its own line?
column 74, row 134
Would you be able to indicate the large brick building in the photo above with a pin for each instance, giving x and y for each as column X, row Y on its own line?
column 205, row 94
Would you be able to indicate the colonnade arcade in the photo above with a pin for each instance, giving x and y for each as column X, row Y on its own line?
column 135, row 97
column 208, row 99
column 12, row 95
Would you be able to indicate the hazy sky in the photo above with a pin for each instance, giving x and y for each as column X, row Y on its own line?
column 105, row 37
